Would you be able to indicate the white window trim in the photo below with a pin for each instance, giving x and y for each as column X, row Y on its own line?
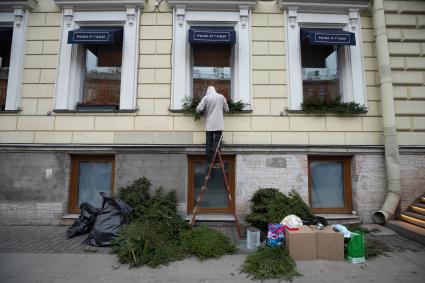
column 181, row 65
column 18, row 20
column 69, row 82
column 353, row 76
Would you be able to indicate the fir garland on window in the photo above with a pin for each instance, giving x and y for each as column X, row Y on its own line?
column 316, row 105
column 189, row 106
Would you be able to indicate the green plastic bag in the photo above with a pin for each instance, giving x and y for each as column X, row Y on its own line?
column 354, row 248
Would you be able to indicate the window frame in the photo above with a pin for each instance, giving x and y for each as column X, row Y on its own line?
column 181, row 51
column 191, row 185
column 17, row 18
column 73, row 187
column 352, row 77
column 348, row 197
column 70, row 70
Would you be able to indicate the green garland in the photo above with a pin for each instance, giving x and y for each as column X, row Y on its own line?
column 316, row 105
column 189, row 106
column 270, row 263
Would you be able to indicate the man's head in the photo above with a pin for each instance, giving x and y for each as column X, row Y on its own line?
column 211, row 90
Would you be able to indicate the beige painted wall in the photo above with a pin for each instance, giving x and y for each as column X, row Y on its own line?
column 406, row 34
column 154, row 124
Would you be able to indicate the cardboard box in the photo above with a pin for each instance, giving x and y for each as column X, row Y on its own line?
column 301, row 243
column 330, row 244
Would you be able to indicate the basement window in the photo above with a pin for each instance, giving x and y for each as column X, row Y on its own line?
column 329, row 182
column 90, row 175
column 215, row 198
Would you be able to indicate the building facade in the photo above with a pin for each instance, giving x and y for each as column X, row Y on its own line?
column 92, row 94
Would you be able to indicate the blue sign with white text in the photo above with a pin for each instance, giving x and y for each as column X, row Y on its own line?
column 217, row 35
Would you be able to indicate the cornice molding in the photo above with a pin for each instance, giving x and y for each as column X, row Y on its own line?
column 100, row 4
column 323, row 6
column 230, row 5
column 10, row 5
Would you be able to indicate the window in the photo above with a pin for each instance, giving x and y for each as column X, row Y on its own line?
column 98, row 60
column 90, row 175
column 13, row 26
column 324, row 52
column 330, row 184
column 211, row 66
column 102, row 60
column 215, row 198
column 5, row 48
column 191, row 71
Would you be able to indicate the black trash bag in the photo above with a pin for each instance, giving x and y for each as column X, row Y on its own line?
column 108, row 222
column 84, row 222
column 315, row 220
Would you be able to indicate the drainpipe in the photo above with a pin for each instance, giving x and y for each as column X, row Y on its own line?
column 392, row 157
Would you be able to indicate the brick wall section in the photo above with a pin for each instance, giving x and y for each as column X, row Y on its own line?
column 282, row 172
column 163, row 170
column 406, row 35
column 369, row 185
column 412, row 178
column 285, row 172
column 27, row 194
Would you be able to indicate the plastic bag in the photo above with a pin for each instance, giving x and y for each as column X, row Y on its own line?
column 84, row 222
column 342, row 229
column 275, row 235
column 108, row 221
column 292, row 221
column 354, row 248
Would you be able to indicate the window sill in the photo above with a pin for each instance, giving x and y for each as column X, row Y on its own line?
column 226, row 113
column 308, row 113
column 66, row 111
column 10, row 111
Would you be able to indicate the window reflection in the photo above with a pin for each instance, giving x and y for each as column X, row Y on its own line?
column 320, row 73
column 102, row 76
column 327, row 184
column 211, row 66
column 216, row 193
column 94, row 177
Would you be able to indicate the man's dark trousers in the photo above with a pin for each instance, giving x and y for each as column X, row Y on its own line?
column 212, row 139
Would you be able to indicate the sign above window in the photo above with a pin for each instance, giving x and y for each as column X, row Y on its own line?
column 95, row 35
column 212, row 35
column 328, row 37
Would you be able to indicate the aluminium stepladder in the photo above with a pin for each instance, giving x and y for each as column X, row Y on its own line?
column 205, row 184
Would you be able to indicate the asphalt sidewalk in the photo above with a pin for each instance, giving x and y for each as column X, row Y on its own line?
column 43, row 254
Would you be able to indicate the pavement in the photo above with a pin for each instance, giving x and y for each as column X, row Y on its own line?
column 43, row 254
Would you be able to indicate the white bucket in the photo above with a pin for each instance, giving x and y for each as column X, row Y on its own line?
column 252, row 238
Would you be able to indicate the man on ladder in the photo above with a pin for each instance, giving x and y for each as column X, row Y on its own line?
column 213, row 104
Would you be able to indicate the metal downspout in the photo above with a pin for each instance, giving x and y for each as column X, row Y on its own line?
column 392, row 157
